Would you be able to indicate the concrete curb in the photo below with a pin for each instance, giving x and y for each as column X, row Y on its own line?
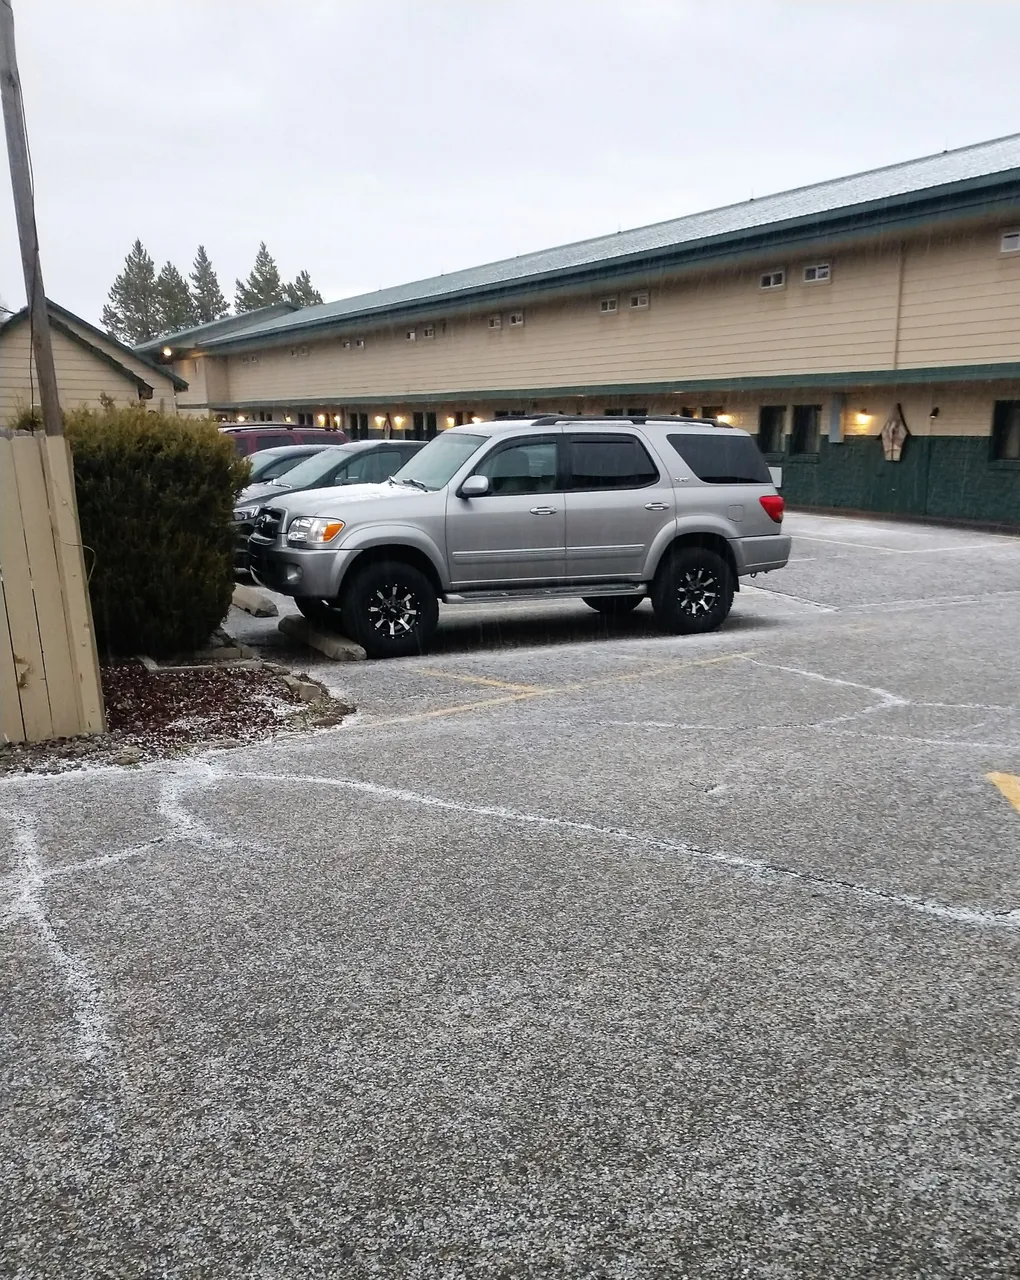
column 253, row 601
column 337, row 648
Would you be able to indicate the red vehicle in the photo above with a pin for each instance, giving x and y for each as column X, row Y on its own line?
column 273, row 435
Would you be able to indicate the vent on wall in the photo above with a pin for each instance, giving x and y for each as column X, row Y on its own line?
column 1010, row 242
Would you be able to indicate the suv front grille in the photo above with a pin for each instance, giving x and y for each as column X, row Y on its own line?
column 268, row 523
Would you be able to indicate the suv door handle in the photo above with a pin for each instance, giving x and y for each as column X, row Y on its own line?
column 656, row 506
column 543, row 511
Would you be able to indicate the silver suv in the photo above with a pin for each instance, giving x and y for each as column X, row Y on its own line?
column 607, row 509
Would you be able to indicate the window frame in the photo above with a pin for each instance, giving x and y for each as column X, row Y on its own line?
column 781, row 410
column 1000, row 434
column 816, row 267
column 519, row 442
column 609, row 306
column 572, row 438
column 770, row 276
column 794, row 452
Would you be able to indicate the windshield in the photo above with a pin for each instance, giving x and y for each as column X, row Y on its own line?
column 267, row 464
column 440, row 460
column 306, row 474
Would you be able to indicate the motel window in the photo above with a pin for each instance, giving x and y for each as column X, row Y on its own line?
column 607, row 306
column 495, row 322
column 771, row 418
column 711, row 411
column 1006, row 431
column 639, row 301
column 805, row 434
column 429, row 331
column 773, row 279
column 818, row 273
column 516, row 319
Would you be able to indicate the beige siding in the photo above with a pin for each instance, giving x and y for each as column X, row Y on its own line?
column 162, row 386
column 710, row 326
column 81, row 376
column 961, row 302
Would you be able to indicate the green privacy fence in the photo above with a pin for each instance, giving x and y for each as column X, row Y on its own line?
column 942, row 477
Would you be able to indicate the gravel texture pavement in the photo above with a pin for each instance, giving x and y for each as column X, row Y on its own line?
column 579, row 951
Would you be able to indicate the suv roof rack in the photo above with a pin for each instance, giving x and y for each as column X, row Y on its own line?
column 551, row 419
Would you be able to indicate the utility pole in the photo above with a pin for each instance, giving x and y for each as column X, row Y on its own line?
column 24, row 209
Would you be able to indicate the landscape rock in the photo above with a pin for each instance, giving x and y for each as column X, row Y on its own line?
column 303, row 690
column 336, row 647
column 130, row 755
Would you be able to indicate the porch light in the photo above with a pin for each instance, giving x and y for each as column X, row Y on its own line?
column 321, row 419
column 475, row 419
column 725, row 418
column 167, row 352
column 398, row 421
column 241, row 418
column 451, row 420
column 863, row 419
column 380, row 420
column 287, row 418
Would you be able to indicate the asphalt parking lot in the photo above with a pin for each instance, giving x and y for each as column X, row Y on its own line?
column 579, row 951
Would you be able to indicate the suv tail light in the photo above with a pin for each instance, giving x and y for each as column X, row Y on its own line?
column 774, row 506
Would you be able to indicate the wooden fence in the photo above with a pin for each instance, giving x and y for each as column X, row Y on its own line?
column 49, row 674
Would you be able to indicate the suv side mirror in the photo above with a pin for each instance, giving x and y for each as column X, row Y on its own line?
column 474, row 487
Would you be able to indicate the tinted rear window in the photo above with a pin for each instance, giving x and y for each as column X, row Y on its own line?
column 610, row 462
column 723, row 458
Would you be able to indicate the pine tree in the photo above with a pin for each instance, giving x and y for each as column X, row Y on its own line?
column 262, row 288
column 175, row 305
column 132, row 313
column 210, row 303
column 302, row 292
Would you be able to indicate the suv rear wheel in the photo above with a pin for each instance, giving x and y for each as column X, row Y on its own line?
column 693, row 591
column 391, row 609
column 613, row 606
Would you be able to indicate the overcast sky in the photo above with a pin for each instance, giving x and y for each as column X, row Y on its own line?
column 378, row 141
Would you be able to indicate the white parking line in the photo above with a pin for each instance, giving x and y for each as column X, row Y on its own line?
column 755, row 868
column 907, row 551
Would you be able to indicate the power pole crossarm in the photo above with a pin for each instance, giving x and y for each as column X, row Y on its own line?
column 24, row 209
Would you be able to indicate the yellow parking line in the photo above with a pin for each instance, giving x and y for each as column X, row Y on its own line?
column 1009, row 785
column 482, row 704
column 498, row 684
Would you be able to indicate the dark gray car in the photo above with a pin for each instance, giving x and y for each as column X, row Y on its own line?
column 357, row 462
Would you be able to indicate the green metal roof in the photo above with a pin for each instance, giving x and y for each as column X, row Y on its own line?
column 965, row 180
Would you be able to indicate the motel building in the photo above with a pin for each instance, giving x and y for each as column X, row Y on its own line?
column 813, row 319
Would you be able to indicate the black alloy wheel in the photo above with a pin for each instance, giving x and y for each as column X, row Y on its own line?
column 693, row 591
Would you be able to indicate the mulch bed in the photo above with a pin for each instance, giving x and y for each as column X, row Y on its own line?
column 154, row 714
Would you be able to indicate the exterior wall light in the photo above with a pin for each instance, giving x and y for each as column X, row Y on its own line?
column 336, row 420
column 241, row 418
column 380, row 420
column 725, row 419
column 167, row 352
column 321, row 419
column 398, row 421
column 863, row 419
column 287, row 418
column 450, row 420
column 476, row 419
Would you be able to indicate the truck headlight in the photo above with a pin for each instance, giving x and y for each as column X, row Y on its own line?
column 246, row 513
column 314, row 531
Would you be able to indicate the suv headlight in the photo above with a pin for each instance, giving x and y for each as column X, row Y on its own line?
column 314, row 531
column 247, row 513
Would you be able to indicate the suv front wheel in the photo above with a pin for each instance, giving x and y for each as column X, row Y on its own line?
column 391, row 609
column 693, row 591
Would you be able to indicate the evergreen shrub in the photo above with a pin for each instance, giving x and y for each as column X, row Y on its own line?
column 155, row 496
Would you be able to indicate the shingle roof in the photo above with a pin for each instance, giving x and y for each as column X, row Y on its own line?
column 229, row 326
column 948, row 171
